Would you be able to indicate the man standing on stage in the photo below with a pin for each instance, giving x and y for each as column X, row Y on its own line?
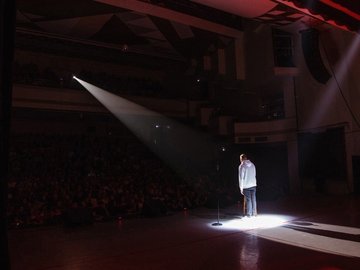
column 247, row 184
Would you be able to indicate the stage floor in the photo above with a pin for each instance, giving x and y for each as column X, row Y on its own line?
column 319, row 232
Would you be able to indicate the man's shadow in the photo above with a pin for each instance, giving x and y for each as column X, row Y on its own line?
column 301, row 226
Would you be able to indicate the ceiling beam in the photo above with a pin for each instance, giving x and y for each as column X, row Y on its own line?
column 341, row 8
column 315, row 16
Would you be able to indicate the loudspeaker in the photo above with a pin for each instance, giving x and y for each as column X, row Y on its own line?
column 310, row 46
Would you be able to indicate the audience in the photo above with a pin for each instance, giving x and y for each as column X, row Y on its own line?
column 112, row 176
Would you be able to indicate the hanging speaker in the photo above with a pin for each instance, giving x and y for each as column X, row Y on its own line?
column 310, row 46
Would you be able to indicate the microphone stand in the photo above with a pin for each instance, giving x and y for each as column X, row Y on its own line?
column 218, row 216
column 218, row 204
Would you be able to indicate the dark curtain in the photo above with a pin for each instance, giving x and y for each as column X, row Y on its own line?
column 7, row 29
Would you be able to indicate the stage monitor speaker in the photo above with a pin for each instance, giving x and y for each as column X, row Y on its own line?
column 78, row 216
column 154, row 208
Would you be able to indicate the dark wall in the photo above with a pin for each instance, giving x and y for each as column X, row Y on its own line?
column 322, row 154
column 271, row 161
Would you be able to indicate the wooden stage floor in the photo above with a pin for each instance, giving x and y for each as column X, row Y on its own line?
column 320, row 232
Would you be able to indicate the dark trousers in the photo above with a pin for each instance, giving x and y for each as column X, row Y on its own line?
column 250, row 199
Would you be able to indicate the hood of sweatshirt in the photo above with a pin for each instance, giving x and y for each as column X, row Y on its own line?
column 247, row 163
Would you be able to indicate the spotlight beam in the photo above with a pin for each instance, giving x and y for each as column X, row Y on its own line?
column 173, row 142
column 333, row 89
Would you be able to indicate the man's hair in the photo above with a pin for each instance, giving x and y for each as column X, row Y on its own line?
column 243, row 156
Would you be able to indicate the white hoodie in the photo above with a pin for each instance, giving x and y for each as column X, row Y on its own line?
column 247, row 175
